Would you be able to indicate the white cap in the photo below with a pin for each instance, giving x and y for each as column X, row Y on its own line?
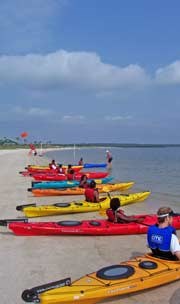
column 107, row 150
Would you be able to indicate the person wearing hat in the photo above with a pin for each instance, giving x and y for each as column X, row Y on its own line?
column 91, row 193
column 109, row 159
column 162, row 237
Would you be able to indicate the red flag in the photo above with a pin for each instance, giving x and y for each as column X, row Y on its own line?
column 24, row 134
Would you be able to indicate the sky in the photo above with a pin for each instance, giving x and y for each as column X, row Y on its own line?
column 90, row 71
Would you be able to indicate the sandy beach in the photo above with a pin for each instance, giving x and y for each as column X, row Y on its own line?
column 30, row 261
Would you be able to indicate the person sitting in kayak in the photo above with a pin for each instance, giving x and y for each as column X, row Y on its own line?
column 70, row 172
column 53, row 165
column 60, row 169
column 91, row 193
column 116, row 215
column 83, row 183
column 162, row 237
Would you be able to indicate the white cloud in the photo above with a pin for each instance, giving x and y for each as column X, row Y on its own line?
column 73, row 118
column 80, row 70
column 118, row 118
column 34, row 112
column 169, row 74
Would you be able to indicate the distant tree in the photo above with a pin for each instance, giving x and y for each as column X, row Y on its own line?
column 17, row 139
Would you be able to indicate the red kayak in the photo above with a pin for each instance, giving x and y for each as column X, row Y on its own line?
column 40, row 170
column 76, row 176
column 91, row 227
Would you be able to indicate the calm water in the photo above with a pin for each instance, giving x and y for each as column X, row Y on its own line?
column 155, row 169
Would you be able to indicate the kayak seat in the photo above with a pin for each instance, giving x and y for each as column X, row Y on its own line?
column 78, row 204
column 148, row 265
column 69, row 223
column 115, row 272
column 95, row 223
column 62, row 205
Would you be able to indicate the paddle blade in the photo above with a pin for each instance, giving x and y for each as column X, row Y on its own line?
column 102, row 212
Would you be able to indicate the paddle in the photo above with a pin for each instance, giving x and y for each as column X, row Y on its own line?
column 103, row 211
column 7, row 221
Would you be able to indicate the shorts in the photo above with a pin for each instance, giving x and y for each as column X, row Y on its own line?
column 110, row 160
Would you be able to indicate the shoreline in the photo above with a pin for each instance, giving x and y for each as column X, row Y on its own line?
column 39, row 260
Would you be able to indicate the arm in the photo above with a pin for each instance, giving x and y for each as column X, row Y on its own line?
column 129, row 219
column 177, row 254
column 96, row 195
column 175, row 246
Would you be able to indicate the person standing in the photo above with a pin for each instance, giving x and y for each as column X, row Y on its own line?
column 81, row 163
column 32, row 150
column 109, row 159
column 161, row 238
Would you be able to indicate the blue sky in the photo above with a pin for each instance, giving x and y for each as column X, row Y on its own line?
column 90, row 70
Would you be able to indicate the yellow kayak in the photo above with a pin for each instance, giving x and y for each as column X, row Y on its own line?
column 138, row 274
column 34, row 167
column 80, row 191
column 33, row 210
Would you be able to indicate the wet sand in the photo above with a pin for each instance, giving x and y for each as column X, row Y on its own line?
column 31, row 261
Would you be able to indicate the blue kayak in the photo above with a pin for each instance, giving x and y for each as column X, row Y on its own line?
column 67, row 184
column 88, row 165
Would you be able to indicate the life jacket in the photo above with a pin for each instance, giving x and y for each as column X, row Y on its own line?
column 89, row 194
column 83, row 184
column 112, row 215
column 52, row 166
column 159, row 240
column 60, row 170
column 70, row 176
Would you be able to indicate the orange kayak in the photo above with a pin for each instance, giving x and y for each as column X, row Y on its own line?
column 80, row 191
column 138, row 274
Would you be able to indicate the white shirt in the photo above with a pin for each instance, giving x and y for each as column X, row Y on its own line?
column 174, row 246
